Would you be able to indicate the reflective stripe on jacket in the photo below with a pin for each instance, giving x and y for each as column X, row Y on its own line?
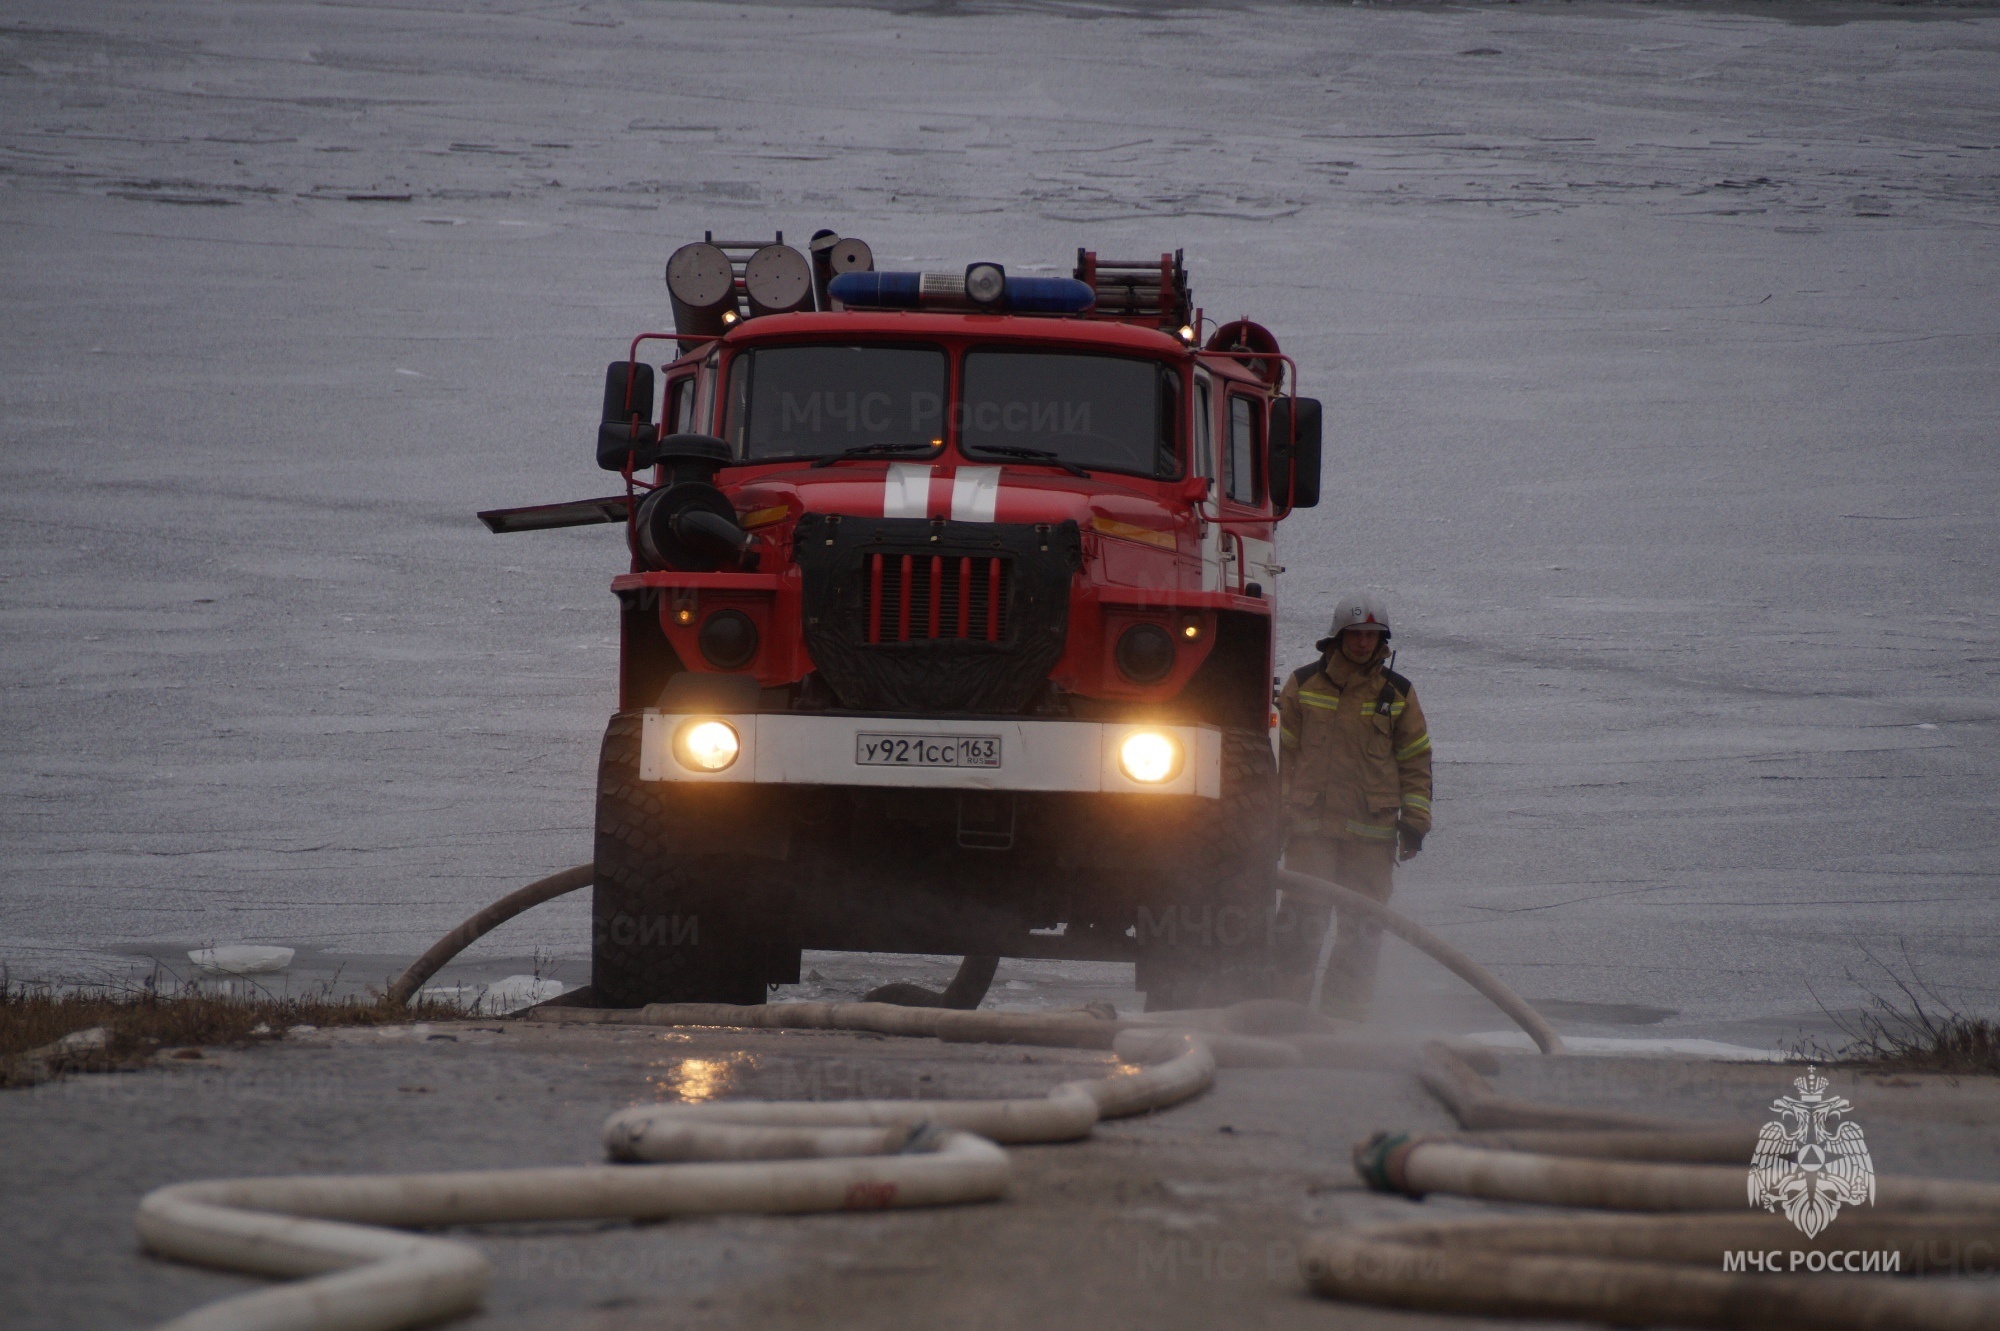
column 1354, row 751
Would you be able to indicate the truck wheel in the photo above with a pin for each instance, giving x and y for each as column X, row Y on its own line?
column 1215, row 946
column 666, row 926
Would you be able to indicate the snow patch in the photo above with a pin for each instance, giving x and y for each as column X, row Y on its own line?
column 498, row 998
column 1623, row 1047
column 242, row 959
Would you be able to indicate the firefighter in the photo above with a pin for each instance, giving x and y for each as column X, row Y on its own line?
column 1355, row 768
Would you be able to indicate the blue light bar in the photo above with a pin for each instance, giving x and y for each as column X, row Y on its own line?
column 1049, row 295
column 946, row 291
column 877, row 291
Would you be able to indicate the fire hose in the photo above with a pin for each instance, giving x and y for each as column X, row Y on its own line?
column 726, row 1156
column 1645, row 1271
column 1465, row 968
column 1603, row 1263
column 977, row 971
column 768, row 1158
column 791, row 1157
column 485, row 922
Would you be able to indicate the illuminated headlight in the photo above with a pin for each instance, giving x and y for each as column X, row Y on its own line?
column 706, row 746
column 985, row 283
column 1150, row 757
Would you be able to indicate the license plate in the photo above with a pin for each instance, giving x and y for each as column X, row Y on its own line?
column 927, row 750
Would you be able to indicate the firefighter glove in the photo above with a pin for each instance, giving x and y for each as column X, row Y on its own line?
column 1408, row 841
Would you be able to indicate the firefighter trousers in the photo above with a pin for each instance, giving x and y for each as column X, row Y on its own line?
column 1367, row 867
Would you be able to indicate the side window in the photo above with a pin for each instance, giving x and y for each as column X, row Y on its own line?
column 1167, row 454
column 739, row 397
column 704, row 394
column 1204, row 431
column 678, row 413
column 1240, row 463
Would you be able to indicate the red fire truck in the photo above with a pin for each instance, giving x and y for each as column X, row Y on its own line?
column 948, row 627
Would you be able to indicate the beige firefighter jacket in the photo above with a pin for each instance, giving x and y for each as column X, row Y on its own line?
column 1354, row 752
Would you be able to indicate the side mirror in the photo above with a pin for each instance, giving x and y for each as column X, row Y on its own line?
column 627, row 434
column 1294, row 469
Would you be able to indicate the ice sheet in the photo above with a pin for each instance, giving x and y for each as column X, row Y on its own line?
column 1657, row 345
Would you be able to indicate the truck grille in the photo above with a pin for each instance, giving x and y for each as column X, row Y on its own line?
column 918, row 597
column 914, row 615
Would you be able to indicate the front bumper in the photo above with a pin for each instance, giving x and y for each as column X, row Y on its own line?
column 803, row 749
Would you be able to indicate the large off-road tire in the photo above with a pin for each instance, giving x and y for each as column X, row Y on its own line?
column 668, row 924
column 1208, row 937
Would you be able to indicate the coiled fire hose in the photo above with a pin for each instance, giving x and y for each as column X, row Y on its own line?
column 723, row 1156
column 817, row 1156
column 768, row 1158
column 1645, row 1271
column 1602, row 1264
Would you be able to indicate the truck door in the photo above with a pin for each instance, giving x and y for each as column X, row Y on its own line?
column 1204, row 464
column 1247, row 551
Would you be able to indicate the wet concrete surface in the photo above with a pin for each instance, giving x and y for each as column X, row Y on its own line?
column 1190, row 1217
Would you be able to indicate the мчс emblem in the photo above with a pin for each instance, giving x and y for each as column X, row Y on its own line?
column 1807, row 1164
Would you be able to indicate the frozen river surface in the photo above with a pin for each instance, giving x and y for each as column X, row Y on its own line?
column 1658, row 346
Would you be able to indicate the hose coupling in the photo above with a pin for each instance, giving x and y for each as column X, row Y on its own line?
column 1381, row 1158
column 924, row 1138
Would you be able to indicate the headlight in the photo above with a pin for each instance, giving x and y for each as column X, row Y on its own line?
column 728, row 639
column 1145, row 654
column 1150, row 757
column 706, row 746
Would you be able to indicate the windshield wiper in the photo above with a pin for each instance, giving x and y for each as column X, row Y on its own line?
column 1035, row 455
column 863, row 450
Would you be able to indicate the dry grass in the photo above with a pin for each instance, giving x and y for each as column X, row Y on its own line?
column 1926, row 1043
column 1916, row 1030
column 140, row 1023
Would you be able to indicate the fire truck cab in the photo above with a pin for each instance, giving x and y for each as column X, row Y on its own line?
column 948, row 626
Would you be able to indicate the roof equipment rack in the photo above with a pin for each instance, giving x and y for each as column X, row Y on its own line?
column 1138, row 290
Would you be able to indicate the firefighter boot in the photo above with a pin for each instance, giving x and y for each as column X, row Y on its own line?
column 1364, row 866
column 1350, row 971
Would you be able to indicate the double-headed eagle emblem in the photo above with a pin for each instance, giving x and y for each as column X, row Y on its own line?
column 1808, row 1165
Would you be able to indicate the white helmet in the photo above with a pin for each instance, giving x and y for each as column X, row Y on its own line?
column 1353, row 612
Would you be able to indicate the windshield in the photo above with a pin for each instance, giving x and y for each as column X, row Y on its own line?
column 810, row 402
column 1107, row 413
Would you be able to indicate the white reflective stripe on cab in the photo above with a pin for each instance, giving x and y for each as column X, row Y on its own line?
column 1261, row 557
column 975, row 493
column 906, row 492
